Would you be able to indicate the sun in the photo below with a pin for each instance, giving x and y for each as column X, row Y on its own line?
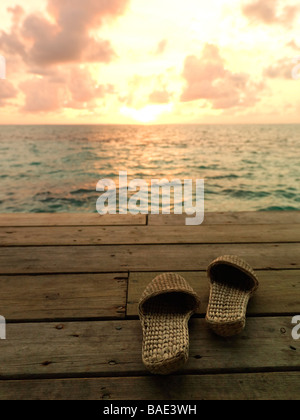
column 148, row 113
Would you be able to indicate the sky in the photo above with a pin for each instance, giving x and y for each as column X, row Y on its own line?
column 150, row 62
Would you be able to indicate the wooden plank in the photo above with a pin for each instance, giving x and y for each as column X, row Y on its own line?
column 94, row 219
column 113, row 348
column 278, row 292
column 106, row 258
column 240, row 386
column 69, row 219
column 244, row 217
column 114, row 235
column 65, row 296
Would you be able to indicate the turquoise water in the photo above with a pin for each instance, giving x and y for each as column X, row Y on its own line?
column 56, row 168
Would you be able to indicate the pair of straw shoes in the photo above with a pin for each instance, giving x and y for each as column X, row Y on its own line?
column 169, row 301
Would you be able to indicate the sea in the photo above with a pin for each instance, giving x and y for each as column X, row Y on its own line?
column 56, row 168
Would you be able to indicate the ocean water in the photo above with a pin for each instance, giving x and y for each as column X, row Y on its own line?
column 56, row 168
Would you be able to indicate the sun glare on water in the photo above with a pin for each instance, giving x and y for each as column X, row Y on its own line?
column 147, row 114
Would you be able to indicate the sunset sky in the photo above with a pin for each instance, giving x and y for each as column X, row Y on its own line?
column 142, row 61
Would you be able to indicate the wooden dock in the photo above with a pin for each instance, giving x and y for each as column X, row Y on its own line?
column 69, row 287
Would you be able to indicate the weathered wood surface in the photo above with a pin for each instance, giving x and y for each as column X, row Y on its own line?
column 113, row 348
column 94, row 219
column 128, row 235
column 69, row 219
column 67, row 296
column 278, row 291
column 240, row 386
column 235, row 218
column 70, row 286
column 120, row 258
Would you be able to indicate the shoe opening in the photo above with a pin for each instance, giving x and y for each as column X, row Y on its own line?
column 232, row 276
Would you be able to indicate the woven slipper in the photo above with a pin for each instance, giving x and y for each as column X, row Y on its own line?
column 232, row 283
column 164, row 310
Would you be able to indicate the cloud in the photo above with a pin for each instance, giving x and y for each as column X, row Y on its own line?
column 41, row 95
column 7, row 91
column 161, row 47
column 84, row 90
column 208, row 79
column 11, row 43
column 52, row 46
column 293, row 44
column 152, row 89
column 78, row 15
column 17, row 13
column 281, row 69
column 67, row 37
column 269, row 12
column 263, row 10
column 159, row 97
column 69, row 88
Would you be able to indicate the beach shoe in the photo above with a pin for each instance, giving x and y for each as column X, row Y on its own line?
column 164, row 310
column 232, row 283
